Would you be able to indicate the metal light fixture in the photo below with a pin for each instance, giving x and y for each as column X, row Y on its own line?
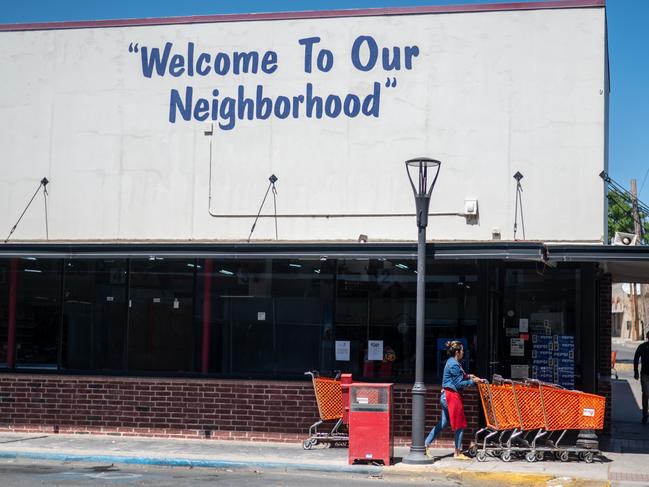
column 422, row 172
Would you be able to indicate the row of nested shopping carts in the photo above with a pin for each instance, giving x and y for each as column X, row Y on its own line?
column 531, row 419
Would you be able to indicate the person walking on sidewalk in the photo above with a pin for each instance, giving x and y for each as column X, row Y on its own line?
column 454, row 380
column 642, row 354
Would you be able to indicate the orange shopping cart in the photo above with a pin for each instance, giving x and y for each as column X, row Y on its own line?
column 566, row 410
column 532, row 418
column 328, row 394
column 503, row 420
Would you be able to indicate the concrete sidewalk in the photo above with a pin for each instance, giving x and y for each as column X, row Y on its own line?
column 231, row 454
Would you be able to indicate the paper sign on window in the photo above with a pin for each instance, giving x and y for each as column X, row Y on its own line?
column 516, row 347
column 375, row 350
column 342, row 350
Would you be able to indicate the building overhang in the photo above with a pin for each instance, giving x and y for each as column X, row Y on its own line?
column 625, row 264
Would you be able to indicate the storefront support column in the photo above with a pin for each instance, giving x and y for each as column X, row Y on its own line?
column 11, row 318
column 207, row 314
column 422, row 192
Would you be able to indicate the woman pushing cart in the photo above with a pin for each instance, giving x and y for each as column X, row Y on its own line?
column 453, row 382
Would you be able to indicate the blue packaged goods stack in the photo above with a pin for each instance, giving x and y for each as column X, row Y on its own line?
column 542, row 360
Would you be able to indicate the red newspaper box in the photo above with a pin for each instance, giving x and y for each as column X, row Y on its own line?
column 370, row 423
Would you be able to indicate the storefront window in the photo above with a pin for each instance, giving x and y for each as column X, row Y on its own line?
column 94, row 314
column 268, row 317
column 271, row 318
column 38, row 312
column 375, row 316
column 451, row 314
column 161, row 328
column 540, row 323
column 4, row 308
column 376, row 307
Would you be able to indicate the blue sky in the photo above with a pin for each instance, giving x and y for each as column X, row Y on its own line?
column 628, row 35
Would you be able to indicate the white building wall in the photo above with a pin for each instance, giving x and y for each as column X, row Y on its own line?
column 489, row 94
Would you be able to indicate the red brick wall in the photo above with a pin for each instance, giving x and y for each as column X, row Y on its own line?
column 604, row 346
column 195, row 408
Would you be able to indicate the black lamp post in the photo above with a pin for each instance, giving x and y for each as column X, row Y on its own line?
column 422, row 173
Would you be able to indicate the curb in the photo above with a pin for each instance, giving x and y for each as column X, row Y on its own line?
column 627, row 367
column 184, row 462
column 496, row 479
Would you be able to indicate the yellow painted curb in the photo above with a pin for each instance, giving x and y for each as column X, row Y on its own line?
column 625, row 367
column 496, row 479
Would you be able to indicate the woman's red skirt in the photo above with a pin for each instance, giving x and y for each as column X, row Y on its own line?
column 455, row 409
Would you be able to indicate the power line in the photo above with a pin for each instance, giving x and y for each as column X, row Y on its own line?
column 644, row 180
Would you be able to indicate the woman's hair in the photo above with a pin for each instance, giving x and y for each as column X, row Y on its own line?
column 453, row 347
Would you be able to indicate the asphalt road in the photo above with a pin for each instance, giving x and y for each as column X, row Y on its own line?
column 17, row 473
column 625, row 350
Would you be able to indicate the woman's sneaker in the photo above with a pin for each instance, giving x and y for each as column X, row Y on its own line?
column 461, row 456
column 429, row 454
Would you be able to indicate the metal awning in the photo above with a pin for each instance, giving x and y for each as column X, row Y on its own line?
column 624, row 263
column 515, row 251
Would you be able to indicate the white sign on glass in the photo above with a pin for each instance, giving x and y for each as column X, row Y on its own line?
column 342, row 350
column 375, row 350
column 517, row 347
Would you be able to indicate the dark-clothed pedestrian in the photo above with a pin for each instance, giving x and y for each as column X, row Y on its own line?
column 454, row 381
column 642, row 355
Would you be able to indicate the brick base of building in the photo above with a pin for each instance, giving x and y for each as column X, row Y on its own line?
column 189, row 408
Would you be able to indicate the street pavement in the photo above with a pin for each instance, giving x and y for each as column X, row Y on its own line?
column 78, row 474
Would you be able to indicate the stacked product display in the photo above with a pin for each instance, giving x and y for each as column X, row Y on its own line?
column 553, row 359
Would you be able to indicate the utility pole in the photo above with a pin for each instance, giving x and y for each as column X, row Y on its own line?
column 638, row 237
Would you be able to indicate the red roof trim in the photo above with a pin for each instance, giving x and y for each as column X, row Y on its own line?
column 322, row 14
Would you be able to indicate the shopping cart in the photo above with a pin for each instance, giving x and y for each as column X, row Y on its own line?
column 565, row 410
column 502, row 434
column 532, row 418
column 328, row 395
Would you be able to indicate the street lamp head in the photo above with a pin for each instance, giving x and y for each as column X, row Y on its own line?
column 424, row 171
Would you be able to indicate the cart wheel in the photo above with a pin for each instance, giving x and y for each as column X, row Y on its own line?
column 557, row 455
column 481, row 456
column 506, row 456
column 530, row 456
column 540, row 456
column 588, row 457
column 472, row 451
column 307, row 444
column 563, row 456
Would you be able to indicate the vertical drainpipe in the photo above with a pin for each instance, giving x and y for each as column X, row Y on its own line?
column 11, row 322
column 207, row 314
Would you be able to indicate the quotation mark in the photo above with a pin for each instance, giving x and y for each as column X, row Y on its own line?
column 389, row 83
column 132, row 48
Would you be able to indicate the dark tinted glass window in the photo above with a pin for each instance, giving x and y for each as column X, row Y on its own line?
column 161, row 330
column 38, row 312
column 376, row 301
column 268, row 317
column 451, row 314
column 547, row 302
column 4, row 308
column 94, row 314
